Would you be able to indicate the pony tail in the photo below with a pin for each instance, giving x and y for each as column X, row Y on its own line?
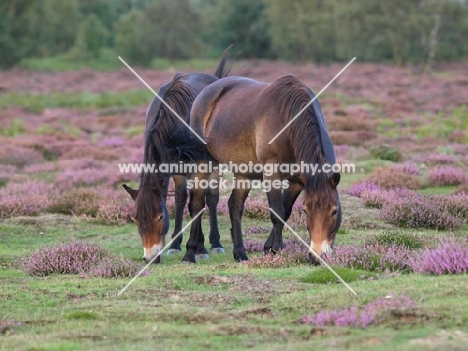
column 225, row 64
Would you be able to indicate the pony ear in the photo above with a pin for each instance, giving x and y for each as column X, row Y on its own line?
column 133, row 193
column 335, row 180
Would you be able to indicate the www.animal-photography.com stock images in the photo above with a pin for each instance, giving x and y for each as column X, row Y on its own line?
column 231, row 175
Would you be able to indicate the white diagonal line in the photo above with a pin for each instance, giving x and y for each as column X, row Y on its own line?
column 313, row 252
column 164, row 102
column 311, row 101
column 159, row 253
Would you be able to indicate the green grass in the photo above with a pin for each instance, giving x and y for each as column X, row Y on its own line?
column 81, row 100
column 216, row 304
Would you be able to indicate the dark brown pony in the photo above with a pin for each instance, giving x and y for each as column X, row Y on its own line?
column 237, row 118
column 166, row 142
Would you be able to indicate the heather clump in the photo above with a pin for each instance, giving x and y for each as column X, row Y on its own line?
column 419, row 211
column 448, row 175
column 79, row 257
column 406, row 240
column 394, row 177
column 24, row 199
column 358, row 189
column 77, row 202
column 372, row 256
column 256, row 208
column 257, row 229
column 377, row 197
column 450, row 256
column 373, row 312
column 7, row 327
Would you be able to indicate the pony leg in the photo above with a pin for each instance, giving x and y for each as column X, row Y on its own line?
column 180, row 201
column 195, row 244
column 289, row 198
column 275, row 239
column 236, row 208
column 212, row 199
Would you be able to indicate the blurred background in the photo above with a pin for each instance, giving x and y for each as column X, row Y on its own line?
column 54, row 34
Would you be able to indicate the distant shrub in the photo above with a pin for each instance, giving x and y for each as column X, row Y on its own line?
column 371, row 313
column 256, row 209
column 114, row 211
column 386, row 152
column 24, row 199
column 19, row 156
column 79, row 257
column 455, row 204
column 72, row 178
column 449, row 257
column 447, row 175
column 257, row 229
column 376, row 198
column 253, row 245
column 462, row 189
column 419, row 211
column 94, row 152
column 408, row 168
column 394, row 177
column 6, row 172
column 441, row 159
column 76, row 202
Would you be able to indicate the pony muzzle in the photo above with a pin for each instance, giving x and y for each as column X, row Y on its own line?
column 150, row 253
column 320, row 249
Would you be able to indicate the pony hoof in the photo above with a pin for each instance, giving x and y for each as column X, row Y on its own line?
column 173, row 252
column 203, row 256
column 217, row 250
column 187, row 262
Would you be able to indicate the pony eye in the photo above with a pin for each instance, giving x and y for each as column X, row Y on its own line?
column 334, row 213
column 161, row 217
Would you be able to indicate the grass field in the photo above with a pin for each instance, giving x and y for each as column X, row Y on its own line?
column 62, row 135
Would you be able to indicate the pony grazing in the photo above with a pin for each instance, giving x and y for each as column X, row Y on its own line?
column 238, row 117
column 165, row 145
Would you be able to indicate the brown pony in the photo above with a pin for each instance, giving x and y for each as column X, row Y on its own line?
column 166, row 142
column 238, row 117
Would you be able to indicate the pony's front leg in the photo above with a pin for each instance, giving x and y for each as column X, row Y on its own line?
column 275, row 202
column 180, row 201
column 236, row 209
column 196, row 239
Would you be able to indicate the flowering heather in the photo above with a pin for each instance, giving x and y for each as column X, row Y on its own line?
column 376, row 198
column 371, row 256
column 358, row 188
column 77, row 202
column 442, row 159
column 40, row 168
column 112, row 142
column 74, row 258
column 408, row 168
column 115, row 267
column 253, row 245
column 79, row 257
column 371, row 313
column 462, row 189
column 19, row 156
column 447, row 175
column 223, row 207
column 256, row 208
column 94, row 152
column 257, row 229
column 6, row 172
column 455, row 204
column 72, row 178
column 394, row 177
column 419, row 211
column 114, row 212
column 7, row 327
column 24, row 199
column 449, row 257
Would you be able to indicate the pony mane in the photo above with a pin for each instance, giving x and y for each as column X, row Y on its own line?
column 304, row 134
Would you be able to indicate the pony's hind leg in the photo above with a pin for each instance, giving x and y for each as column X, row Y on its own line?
column 274, row 243
column 195, row 244
column 236, row 209
column 212, row 199
column 180, row 201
